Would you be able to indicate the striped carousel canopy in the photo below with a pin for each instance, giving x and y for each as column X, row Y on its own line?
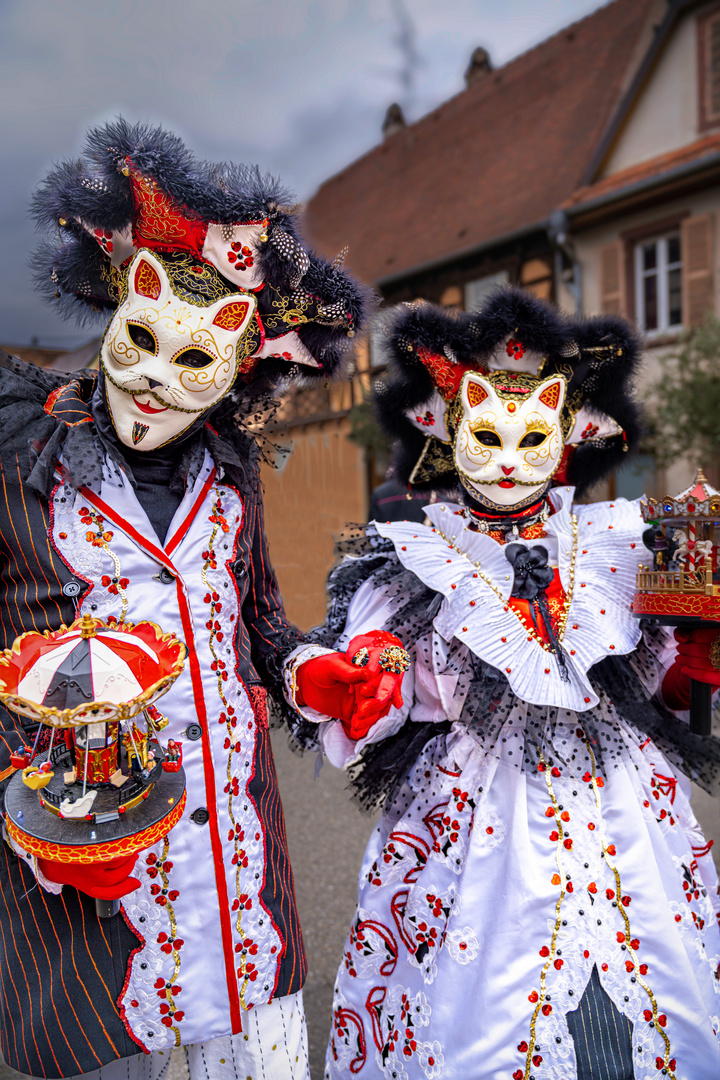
column 90, row 671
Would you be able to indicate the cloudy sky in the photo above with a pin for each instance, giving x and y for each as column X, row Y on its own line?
column 299, row 87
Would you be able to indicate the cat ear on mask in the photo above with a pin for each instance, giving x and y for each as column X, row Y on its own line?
column 233, row 314
column 146, row 278
column 475, row 392
column 551, row 394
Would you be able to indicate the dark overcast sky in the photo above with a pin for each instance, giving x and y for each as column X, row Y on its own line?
column 299, row 87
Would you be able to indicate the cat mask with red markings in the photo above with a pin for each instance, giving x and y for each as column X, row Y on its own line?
column 166, row 360
column 505, row 400
column 507, row 441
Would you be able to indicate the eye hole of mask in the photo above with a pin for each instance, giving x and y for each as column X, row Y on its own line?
column 486, row 437
column 142, row 337
column 194, row 358
column 533, row 438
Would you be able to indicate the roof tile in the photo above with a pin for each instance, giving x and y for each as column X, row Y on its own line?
column 497, row 158
column 657, row 166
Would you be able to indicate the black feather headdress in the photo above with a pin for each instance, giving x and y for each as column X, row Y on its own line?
column 429, row 350
column 219, row 226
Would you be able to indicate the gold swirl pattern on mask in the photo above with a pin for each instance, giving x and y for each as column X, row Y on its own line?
column 538, row 456
column 473, row 449
column 205, row 339
column 179, row 320
column 197, row 380
column 124, row 353
column 536, row 423
column 219, row 374
column 123, row 350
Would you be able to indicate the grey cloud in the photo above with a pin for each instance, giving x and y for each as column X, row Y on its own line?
column 298, row 86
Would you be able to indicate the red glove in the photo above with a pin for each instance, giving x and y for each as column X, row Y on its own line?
column 357, row 694
column 103, row 880
column 692, row 662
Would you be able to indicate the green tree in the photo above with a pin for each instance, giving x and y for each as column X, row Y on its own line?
column 685, row 402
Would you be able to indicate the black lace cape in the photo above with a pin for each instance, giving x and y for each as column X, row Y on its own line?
column 384, row 766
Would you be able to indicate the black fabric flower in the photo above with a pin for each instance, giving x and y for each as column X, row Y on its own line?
column 532, row 573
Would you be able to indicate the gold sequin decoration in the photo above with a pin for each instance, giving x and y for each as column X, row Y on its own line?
column 173, row 933
column 621, row 908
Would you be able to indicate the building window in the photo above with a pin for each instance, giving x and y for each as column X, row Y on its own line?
column 658, row 284
column 536, row 276
column 476, row 291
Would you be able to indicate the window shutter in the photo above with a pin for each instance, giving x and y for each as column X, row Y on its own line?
column 697, row 268
column 612, row 279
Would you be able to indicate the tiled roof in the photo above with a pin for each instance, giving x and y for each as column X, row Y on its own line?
column 654, row 168
column 496, row 159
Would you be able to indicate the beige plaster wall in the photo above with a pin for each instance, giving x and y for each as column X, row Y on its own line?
column 665, row 117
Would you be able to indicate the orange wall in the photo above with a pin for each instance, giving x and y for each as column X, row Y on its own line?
column 321, row 488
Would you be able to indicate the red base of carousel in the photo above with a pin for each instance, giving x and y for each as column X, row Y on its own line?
column 676, row 609
column 42, row 833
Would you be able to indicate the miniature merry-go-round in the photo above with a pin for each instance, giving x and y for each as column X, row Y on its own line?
column 100, row 785
column 681, row 587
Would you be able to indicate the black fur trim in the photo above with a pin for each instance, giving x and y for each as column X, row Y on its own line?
column 606, row 382
column 70, row 269
column 603, row 354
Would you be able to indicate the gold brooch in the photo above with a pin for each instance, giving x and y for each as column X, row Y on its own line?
column 394, row 659
column 361, row 658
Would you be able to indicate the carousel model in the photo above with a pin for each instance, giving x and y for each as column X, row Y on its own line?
column 98, row 790
column 682, row 587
